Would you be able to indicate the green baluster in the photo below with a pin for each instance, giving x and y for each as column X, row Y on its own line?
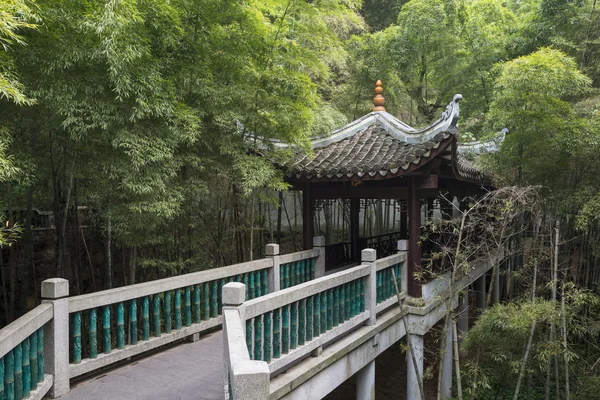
column 178, row 309
column 294, row 326
column 146, row 318
column 316, row 315
column 93, row 332
column 219, row 294
column 205, row 302
column 329, row 309
column 106, row 329
column 353, row 299
column 40, row 354
column 76, row 337
column 295, row 274
column 265, row 281
column 249, row 343
column 33, row 362
column 303, row 270
column 386, row 283
column 258, row 282
column 156, row 314
column 2, row 378
column 120, row 326
column 362, row 294
column 336, row 306
column 247, row 284
column 168, row 318
column 18, row 371
column 285, row 331
column 281, row 277
column 214, row 310
column 133, row 327
column 342, row 303
column 287, row 276
column 323, row 311
column 188, row 306
column 302, row 322
column 197, row 316
column 276, row 333
column 378, row 290
column 309, row 319
column 267, row 337
column 252, row 286
column 258, row 335
column 26, row 368
column 312, row 268
column 9, row 375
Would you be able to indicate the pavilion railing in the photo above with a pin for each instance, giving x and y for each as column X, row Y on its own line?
column 385, row 244
column 22, row 364
column 338, row 254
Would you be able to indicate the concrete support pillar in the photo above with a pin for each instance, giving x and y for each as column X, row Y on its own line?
column 480, row 293
column 319, row 243
column 365, row 382
column 272, row 251
column 463, row 314
column 447, row 364
column 56, row 335
column 412, row 385
column 369, row 257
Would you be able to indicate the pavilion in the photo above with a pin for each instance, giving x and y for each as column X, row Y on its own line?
column 380, row 157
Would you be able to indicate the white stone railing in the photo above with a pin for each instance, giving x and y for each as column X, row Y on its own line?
column 282, row 328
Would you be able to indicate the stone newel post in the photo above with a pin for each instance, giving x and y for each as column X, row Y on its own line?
column 319, row 243
column 368, row 257
column 56, row 334
column 272, row 251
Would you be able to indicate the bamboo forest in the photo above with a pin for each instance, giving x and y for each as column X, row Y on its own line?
column 391, row 199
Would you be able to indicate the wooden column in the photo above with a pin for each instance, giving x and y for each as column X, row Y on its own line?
column 414, row 235
column 354, row 228
column 308, row 210
column 403, row 220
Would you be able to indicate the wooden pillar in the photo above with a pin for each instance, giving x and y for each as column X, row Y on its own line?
column 308, row 210
column 403, row 220
column 355, row 228
column 414, row 235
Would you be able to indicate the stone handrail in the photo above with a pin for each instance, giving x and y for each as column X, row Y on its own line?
column 22, row 364
column 386, row 292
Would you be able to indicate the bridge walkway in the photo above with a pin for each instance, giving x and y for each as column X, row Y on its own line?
column 178, row 373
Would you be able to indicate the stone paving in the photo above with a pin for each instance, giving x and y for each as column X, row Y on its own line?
column 186, row 372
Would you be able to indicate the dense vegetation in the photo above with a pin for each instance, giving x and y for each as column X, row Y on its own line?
column 134, row 123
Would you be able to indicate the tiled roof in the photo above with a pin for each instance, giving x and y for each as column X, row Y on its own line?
column 371, row 152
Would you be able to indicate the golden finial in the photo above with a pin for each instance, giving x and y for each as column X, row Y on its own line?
column 378, row 101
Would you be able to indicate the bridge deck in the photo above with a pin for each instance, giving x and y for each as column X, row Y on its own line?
column 189, row 371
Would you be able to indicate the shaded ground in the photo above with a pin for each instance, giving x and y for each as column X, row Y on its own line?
column 186, row 372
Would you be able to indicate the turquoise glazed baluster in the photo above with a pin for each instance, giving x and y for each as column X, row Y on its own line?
column 249, row 344
column 178, row 309
column 336, row 306
column 294, row 326
column 33, row 361
column 168, row 318
column 106, row 329
column 302, row 322
column 133, row 328
column 120, row 326
column 316, row 315
column 323, row 311
column 329, row 309
column 9, row 375
column 296, row 273
column 93, row 333
column 309, row 319
column 40, row 354
column 197, row 315
column 287, row 276
column 312, row 268
column 276, row 333
column 265, row 281
column 252, row 286
column 219, row 294
column 2, row 378
column 258, row 283
column 146, row 318
column 362, row 294
column 342, row 303
column 378, row 290
column 156, row 314
column 205, row 302
column 214, row 310
column 18, row 371
column 352, row 299
column 26, row 368
column 77, row 337
column 285, row 331
column 188, row 307
column 258, row 335
column 247, row 284
column 267, row 337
